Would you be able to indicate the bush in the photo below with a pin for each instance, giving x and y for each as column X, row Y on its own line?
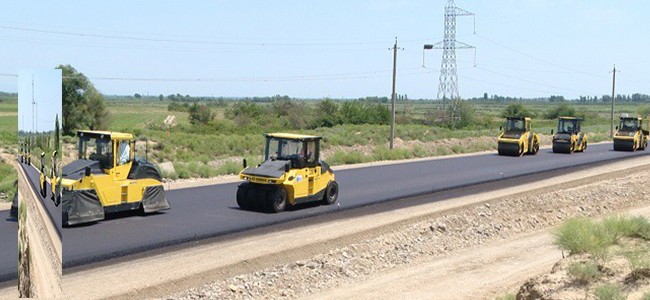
column 639, row 262
column 643, row 111
column 508, row 296
column 584, row 236
column 200, row 114
column 341, row 157
column 560, row 110
column 516, row 110
column 358, row 112
column 646, row 296
column 584, row 272
column 609, row 292
column 230, row 167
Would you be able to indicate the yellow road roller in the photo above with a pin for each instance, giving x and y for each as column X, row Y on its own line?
column 55, row 180
column 292, row 173
column 107, row 177
column 569, row 138
column 517, row 139
column 630, row 135
column 42, row 177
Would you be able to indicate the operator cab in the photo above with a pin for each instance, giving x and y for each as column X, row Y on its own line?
column 301, row 150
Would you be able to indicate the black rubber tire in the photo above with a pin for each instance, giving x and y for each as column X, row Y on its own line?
column 277, row 200
column 44, row 190
column 331, row 193
column 241, row 197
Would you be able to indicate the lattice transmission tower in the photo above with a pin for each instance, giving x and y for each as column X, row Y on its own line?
column 448, row 86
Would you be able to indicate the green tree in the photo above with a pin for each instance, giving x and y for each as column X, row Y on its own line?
column 57, row 134
column 516, row 110
column 161, row 97
column 83, row 105
column 560, row 110
column 643, row 111
column 200, row 114
column 327, row 113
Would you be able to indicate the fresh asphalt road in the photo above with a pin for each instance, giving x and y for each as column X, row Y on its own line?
column 210, row 211
column 54, row 212
column 8, row 247
column 9, row 229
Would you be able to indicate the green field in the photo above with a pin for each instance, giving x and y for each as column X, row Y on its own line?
column 8, row 138
column 197, row 151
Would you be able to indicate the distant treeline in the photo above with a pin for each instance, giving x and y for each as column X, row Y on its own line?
column 8, row 96
column 248, row 116
column 637, row 97
column 222, row 101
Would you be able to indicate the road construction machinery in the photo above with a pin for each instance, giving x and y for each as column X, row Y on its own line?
column 569, row 138
column 13, row 212
column 292, row 173
column 55, row 180
column 630, row 135
column 517, row 139
column 42, row 178
column 107, row 177
column 27, row 154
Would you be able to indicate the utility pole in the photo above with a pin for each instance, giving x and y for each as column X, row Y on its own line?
column 393, row 96
column 33, row 106
column 611, row 132
column 448, row 86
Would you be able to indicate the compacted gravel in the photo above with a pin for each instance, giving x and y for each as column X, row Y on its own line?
column 500, row 219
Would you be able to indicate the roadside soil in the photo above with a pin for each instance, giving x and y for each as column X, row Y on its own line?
column 470, row 253
column 308, row 259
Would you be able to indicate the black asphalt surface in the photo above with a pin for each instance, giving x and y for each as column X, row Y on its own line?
column 210, row 211
column 8, row 247
column 53, row 211
column 9, row 229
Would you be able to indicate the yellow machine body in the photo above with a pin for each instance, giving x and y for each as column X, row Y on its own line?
column 110, row 181
column 292, row 168
column 569, row 136
column 517, row 138
column 630, row 135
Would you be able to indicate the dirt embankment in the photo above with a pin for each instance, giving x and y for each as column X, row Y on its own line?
column 377, row 266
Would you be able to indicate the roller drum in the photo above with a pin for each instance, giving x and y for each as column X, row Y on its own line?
column 510, row 149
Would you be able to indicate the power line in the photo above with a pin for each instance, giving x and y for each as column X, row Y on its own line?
column 168, row 40
column 537, row 58
column 531, row 81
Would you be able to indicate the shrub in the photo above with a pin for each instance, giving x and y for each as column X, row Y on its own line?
column 508, row 296
column 646, row 296
column 341, row 157
column 643, row 111
column 640, row 263
column 584, row 236
column 200, row 114
column 516, row 110
column 584, row 272
column 609, row 292
column 442, row 150
column 230, row 167
column 560, row 110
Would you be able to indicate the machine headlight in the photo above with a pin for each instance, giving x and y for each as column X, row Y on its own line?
column 271, row 181
column 631, row 133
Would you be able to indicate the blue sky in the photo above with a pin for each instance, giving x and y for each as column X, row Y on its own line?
column 47, row 96
column 330, row 48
